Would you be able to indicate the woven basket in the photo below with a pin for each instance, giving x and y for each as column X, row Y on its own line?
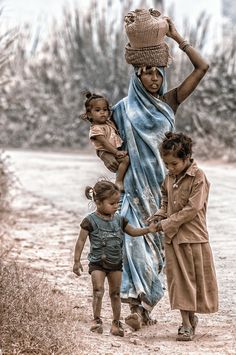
column 156, row 56
column 145, row 28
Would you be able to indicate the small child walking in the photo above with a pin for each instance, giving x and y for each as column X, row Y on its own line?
column 190, row 269
column 104, row 134
column 105, row 229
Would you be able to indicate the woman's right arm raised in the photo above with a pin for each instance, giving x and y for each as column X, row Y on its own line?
column 200, row 64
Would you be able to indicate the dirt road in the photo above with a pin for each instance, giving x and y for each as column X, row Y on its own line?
column 49, row 208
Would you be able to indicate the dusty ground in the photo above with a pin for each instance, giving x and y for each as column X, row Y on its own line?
column 49, row 208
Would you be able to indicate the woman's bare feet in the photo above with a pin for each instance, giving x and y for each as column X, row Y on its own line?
column 134, row 320
column 147, row 320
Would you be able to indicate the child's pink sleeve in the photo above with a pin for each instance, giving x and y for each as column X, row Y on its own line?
column 96, row 130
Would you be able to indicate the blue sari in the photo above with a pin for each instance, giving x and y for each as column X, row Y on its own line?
column 142, row 120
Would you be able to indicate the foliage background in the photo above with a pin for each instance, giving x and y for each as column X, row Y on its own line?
column 40, row 95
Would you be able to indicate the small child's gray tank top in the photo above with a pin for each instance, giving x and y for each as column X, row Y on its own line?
column 106, row 239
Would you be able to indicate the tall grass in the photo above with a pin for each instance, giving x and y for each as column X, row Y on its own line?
column 43, row 101
column 35, row 318
column 7, row 39
column 209, row 113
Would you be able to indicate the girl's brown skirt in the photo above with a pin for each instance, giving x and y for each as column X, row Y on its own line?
column 191, row 277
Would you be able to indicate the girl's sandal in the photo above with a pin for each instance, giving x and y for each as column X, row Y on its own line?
column 185, row 333
column 181, row 329
column 194, row 322
column 97, row 326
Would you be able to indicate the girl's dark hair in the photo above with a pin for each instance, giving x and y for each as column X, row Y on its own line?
column 89, row 98
column 102, row 190
column 177, row 144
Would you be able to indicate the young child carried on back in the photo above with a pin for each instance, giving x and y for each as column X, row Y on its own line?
column 105, row 229
column 190, row 269
column 104, row 134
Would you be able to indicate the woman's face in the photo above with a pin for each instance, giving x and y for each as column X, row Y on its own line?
column 151, row 80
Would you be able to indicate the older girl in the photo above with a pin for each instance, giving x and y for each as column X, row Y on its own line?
column 189, row 264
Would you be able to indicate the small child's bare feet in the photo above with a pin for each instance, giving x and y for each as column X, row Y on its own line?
column 120, row 185
column 96, row 326
column 117, row 329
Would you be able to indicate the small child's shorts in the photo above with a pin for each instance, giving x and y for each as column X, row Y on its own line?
column 105, row 267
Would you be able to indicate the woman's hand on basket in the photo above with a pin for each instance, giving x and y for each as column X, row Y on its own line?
column 172, row 33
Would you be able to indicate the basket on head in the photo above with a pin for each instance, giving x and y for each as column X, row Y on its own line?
column 146, row 30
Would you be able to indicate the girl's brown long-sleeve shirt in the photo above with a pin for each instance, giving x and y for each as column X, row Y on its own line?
column 184, row 205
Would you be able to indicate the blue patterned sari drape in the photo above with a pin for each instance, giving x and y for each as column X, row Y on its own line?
column 142, row 121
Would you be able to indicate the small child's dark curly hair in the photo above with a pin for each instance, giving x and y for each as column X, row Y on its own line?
column 102, row 190
column 177, row 144
column 88, row 103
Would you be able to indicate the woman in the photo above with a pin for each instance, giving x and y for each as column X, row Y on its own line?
column 142, row 119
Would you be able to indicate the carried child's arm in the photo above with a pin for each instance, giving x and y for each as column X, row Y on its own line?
column 136, row 232
column 78, row 251
column 109, row 147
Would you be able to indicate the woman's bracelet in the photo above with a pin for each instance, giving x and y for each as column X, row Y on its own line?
column 100, row 154
column 184, row 45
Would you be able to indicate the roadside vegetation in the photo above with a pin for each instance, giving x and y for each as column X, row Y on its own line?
column 35, row 317
column 40, row 105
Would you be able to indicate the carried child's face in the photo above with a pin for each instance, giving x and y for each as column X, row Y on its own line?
column 99, row 111
column 110, row 205
column 151, row 80
column 175, row 165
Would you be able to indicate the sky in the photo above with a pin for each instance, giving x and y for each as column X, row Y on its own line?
column 17, row 12
column 30, row 10
column 41, row 12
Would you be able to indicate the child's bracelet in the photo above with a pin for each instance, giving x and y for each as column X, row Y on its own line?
column 184, row 45
column 117, row 153
column 100, row 154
